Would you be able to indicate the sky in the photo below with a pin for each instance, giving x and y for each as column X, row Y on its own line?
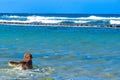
column 61, row 6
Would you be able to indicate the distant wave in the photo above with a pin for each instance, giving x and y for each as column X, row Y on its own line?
column 42, row 19
column 70, row 18
column 46, row 17
column 12, row 21
column 81, row 21
column 14, row 16
column 45, row 21
column 114, row 21
column 59, row 19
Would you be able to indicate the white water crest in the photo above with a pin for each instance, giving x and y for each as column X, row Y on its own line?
column 13, row 16
column 34, row 17
column 99, row 18
column 114, row 21
column 45, row 17
column 19, row 21
column 42, row 19
column 56, row 19
column 80, row 21
column 69, row 18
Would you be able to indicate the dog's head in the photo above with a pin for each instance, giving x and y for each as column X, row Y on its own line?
column 27, row 56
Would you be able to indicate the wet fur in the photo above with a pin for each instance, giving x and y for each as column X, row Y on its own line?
column 26, row 63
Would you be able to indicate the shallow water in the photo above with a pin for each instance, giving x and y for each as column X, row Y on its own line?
column 61, row 53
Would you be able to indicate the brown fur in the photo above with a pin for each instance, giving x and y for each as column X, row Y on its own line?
column 26, row 63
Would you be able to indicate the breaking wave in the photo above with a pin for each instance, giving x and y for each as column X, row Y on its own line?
column 59, row 19
column 114, row 21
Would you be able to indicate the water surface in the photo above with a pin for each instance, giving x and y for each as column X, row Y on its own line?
column 61, row 53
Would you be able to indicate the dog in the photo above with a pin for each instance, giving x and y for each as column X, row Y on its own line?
column 25, row 64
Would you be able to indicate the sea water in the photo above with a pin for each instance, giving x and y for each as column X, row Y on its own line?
column 60, row 53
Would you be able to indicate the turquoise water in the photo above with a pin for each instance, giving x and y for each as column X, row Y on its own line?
column 61, row 53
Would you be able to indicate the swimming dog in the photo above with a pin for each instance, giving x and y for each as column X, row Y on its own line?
column 25, row 64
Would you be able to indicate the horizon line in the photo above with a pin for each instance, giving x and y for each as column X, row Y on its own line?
column 64, row 13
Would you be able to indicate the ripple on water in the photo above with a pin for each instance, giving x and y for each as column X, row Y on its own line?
column 35, row 74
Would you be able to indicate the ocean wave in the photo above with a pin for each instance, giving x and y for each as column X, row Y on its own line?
column 114, row 21
column 71, row 18
column 59, row 19
column 44, row 21
column 48, row 18
column 31, row 21
column 14, row 21
column 13, row 16
column 80, row 21
column 99, row 18
column 35, row 17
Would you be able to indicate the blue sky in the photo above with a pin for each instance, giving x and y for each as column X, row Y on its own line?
column 60, row 6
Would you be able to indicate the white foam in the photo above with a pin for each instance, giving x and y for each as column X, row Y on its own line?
column 13, row 16
column 59, row 18
column 18, row 21
column 30, row 21
column 100, row 18
column 38, row 18
column 44, row 19
column 80, row 21
column 114, row 21
column 15, row 73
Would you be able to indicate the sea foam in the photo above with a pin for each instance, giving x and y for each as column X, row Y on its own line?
column 58, row 19
column 114, row 21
